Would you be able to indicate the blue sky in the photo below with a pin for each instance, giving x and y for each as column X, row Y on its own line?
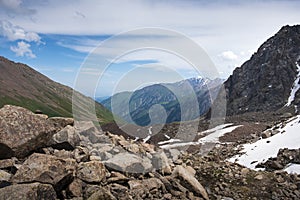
column 55, row 37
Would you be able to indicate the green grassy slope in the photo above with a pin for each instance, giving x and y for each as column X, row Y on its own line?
column 23, row 86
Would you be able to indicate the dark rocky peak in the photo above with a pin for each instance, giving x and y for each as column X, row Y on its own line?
column 282, row 43
column 265, row 82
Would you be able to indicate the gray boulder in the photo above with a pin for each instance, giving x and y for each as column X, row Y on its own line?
column 67, row 139
column 89, row 133
column 127, row 162
column 22, row 131
column 92, row 172
column 188, row 180
column 161, row 162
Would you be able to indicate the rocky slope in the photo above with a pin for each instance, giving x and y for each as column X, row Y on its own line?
column 76, row 160
column 23, row 86
column 174, row 97
column 269, row 79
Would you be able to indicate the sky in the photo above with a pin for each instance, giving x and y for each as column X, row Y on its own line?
column 61, row 39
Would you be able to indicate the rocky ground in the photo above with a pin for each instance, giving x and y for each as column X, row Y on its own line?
column 57, row 158
column 284, row 157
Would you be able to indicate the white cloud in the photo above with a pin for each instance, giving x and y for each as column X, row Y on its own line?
column 13, row 33
column 159, row 50
column 192, row 17
column 23, row 49
column 15, row 7
column 215, row 25
column 229, row 55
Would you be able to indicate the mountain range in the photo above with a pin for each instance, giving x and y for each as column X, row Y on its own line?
column 175, row 98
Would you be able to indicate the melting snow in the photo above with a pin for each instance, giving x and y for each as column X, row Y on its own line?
column 169, row 141
column 150, row 130
column 295, row 88
column 149, row 136
column 213, row 137
column 217, row 128
column 293, row 168
column 168, row 137
column 170, row 146
column 146, row 138
column 261, row 150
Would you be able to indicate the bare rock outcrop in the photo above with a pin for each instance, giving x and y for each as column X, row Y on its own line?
column 22, row 131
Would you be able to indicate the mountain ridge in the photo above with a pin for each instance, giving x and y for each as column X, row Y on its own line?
column 173, row 97
column 23, row 86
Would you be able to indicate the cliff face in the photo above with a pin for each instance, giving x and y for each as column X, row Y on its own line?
column 264, row 82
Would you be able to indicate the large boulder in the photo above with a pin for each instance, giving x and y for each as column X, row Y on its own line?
column 160, row 162
column 67, row 139
column 90, row 134
column 92, row 172
column 127, row 162
column 46, row 169
column 33, row 191
column 188, row 180
column 22, row 131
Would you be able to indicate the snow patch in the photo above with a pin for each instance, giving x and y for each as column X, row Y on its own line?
column 146, row 138
column 168, row 137
column 295, row 88
column 149, row 136
column 170, row 146
column 169, row 141
column 293, row 168
column 220, row 127
column 262, row 150
column 150, row 130
column 213, row 137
